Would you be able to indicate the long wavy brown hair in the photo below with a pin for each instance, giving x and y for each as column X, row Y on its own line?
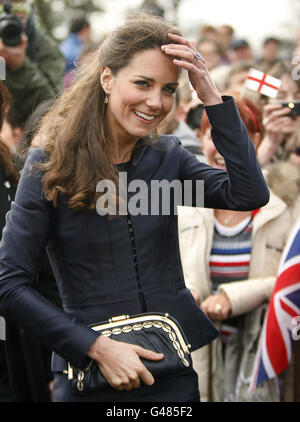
column 6, row 160
column 74, row 134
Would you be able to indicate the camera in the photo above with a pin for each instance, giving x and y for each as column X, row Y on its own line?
column 294, row 106
column 11, row 27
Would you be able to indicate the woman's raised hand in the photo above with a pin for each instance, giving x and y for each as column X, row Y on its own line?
column 186, row 57
column 120, row 363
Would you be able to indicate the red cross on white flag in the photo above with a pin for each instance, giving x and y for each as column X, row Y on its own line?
column 263, row 83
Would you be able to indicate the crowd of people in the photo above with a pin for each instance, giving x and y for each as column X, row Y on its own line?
column 54, row 101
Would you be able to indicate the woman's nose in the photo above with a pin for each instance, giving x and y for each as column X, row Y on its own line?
column 154, row 100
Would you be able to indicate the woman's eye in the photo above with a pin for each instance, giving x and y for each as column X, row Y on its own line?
column 142, row 83
column 170, row 90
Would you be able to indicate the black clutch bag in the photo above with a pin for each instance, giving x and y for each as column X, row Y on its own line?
column 160, row 333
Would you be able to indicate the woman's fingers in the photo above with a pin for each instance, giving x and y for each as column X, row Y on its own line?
column 189, row 67
column 183, row 52
column 136, row 382
column 277, row 112
column 120, row 363
column 217, row 306
column 144, row 374
column 133, row 382
column 180, row 40
column 180, row 53
column 148, row 354
column 127, row 381
column 186, row 57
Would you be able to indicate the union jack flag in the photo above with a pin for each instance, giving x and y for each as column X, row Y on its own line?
column 275, row 346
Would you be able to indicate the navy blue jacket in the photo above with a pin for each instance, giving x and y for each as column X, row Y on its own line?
column 92, row 255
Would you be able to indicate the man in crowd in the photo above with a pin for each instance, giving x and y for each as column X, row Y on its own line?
column 73, row 45
column 34, row 67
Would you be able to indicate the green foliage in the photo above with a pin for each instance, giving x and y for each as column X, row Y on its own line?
column 50, row 13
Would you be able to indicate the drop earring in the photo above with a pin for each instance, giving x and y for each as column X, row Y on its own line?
column 106, row 99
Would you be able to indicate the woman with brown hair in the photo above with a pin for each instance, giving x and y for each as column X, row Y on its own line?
column 114, row 264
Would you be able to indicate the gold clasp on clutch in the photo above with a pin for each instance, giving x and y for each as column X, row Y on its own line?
column 119, row 318
column 70, row 372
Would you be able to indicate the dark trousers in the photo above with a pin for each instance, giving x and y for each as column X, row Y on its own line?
column 26, row 366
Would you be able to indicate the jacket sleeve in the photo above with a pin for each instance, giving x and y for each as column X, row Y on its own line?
column 246, row 295
column 243, row 186
column 23, row 244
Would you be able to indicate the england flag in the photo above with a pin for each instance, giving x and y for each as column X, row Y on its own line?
column 263, row 83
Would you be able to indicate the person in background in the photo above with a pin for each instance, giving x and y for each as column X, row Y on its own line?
column 232, row 77
column 22, row 349
column 226, row 36
column 239, row 50
column 84, row 57
column 193, row 120
column 176, row 125
column 212, row 33
column 279, row 152
column 8, row 183
column 282, row 131
column 149, row 7
column 11, row 133
column 211, row 52
column 9, row 174
column 209, row 32
column 73, row 45
column 237, row 75
column 270, row 54
column 29, row 131
column 35, row 67
column 25, row 374
column 230, row 262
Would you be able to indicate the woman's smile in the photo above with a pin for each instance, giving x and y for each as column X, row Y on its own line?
column 144, row 117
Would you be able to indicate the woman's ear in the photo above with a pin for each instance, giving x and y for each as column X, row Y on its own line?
column 106, row 79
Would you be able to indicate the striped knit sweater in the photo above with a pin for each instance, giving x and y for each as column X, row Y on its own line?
column 230, row 260
column 230, row 253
